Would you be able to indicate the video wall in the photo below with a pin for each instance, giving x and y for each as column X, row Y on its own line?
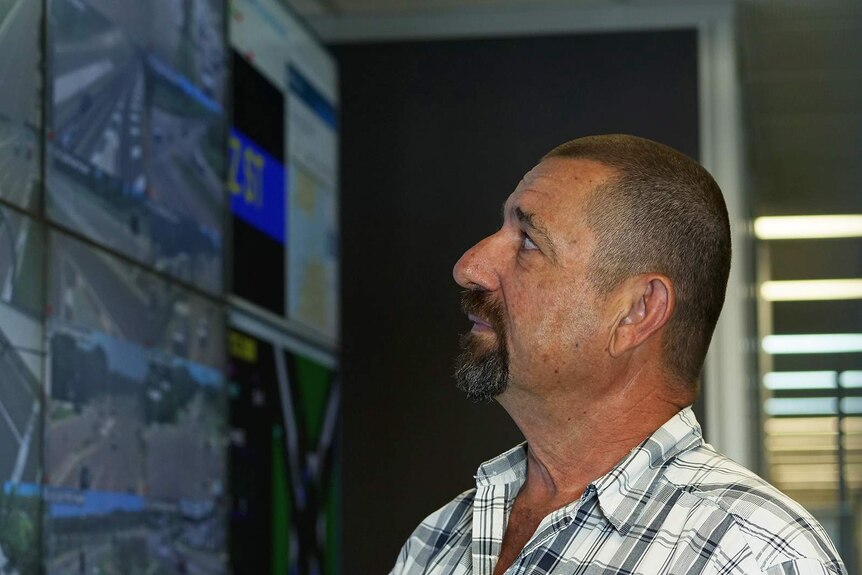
column 142, row 220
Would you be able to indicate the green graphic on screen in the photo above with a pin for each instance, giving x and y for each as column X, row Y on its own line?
column 284, row 417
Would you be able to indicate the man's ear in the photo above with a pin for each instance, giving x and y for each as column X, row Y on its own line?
column 647, row 303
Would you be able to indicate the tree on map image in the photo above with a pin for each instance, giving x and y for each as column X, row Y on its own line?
column 19, row 531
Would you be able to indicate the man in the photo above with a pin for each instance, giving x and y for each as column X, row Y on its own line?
column 592, row 311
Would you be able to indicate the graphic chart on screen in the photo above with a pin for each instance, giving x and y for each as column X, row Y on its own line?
column 285, row 477
column 283, row 175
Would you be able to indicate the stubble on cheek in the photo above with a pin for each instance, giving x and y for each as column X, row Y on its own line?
column 553, row 349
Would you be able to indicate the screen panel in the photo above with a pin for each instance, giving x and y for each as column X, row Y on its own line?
column 256, row 182
column 136, row 130
column 312, row 127
column 20, row 102
column 21, row 354
column 283, row 174
column 285, row 477
column 135, row 460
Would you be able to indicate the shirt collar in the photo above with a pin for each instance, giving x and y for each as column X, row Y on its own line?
column 625, row 490
column 510, row 467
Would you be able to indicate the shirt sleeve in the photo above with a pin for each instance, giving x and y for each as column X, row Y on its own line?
column 804, row 566
column 441, row 532
column 401, row 562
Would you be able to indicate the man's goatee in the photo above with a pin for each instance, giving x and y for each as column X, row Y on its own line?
column 482, row 373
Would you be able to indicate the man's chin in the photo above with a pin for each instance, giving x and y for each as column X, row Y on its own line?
column 482, row 376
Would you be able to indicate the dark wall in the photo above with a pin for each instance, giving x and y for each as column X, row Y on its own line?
column 435, row 137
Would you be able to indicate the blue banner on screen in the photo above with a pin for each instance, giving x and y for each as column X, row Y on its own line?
column 256, row 184
column 306, row 92
column 165, row 71
column 75, row 503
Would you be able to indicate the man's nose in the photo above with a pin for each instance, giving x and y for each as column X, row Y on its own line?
column 477, row 268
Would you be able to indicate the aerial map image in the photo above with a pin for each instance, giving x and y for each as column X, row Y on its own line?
column 20, row 345
column 136, row 130
column 21, row 358
column 116, row 534
column 20, row 110
column 136, row 420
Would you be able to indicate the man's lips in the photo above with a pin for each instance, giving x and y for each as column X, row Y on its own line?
column 478, row 324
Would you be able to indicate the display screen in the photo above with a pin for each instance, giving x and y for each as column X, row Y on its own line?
column 312, row 297
column 136, row 130
column 21, row 253
column 135, row 462
column 21, row 357
column 20, row 104
column 256, row 182
column 283, row 170
column 284, row 481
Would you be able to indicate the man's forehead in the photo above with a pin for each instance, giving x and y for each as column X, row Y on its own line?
column 559, row 179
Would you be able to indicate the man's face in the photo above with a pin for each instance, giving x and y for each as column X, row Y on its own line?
column 537, row 321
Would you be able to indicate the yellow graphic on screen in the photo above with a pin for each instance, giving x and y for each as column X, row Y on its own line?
column 312, row 263
column 242, row 347
column 250, row 163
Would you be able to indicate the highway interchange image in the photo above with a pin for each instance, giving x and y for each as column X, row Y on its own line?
column 134, row 455
column 21, row 358
column 134, row 441
column 20, row 111
column 114, row 534
column 20, row 346
column 135, row 158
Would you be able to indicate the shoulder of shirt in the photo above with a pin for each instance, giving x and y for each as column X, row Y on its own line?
column 447, row 528
column 447, row 522
column 776, row 528
column 459, row 508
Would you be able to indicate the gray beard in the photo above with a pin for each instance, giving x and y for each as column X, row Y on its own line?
column 482, row 374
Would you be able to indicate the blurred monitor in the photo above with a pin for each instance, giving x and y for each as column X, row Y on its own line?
column 21, row 358
column 20, row 103
column 136, row 130
column 283, row 170
column 135, row 462
column 284, row 416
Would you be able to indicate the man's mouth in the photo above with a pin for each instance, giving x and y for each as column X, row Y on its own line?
column 479, row 324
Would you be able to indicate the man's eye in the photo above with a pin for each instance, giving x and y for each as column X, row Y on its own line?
column 528, row 244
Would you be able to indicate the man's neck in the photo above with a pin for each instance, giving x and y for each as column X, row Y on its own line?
column 572, row 441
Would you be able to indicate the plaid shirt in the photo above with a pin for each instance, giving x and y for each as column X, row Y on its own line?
column 673, row 505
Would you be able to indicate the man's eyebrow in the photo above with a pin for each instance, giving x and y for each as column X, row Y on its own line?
column 528, row 220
